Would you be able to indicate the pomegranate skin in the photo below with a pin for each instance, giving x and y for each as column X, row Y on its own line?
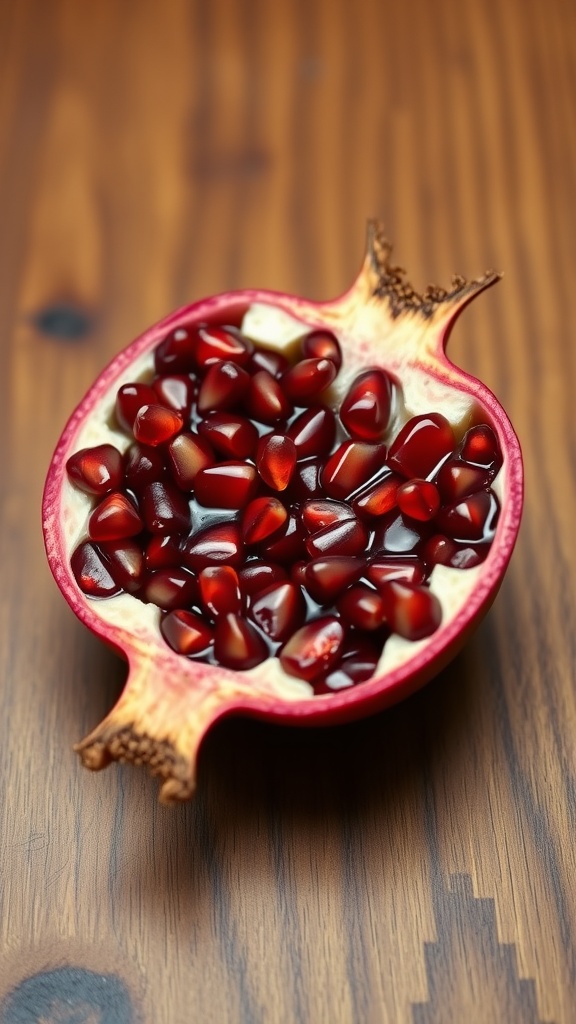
column 170, row 701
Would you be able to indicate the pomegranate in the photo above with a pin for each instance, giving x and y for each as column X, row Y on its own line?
column 270, row 506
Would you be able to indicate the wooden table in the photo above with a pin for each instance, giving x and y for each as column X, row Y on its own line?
column 418, row 866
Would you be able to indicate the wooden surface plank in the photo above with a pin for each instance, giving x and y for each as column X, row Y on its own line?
column 414, row 868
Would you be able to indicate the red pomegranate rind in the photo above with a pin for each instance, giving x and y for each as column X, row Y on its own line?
column 365, row 411
column 314, row 648
column 114, row 518
column 185, row 632
column 412, row 611
column 96, row 470
column 421, row 445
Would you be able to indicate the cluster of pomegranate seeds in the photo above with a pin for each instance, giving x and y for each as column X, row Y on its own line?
column 263, row 524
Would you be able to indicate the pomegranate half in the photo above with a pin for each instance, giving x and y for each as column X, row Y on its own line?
column 380, row 339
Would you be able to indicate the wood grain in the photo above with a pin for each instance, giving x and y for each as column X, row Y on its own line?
column 414, row 868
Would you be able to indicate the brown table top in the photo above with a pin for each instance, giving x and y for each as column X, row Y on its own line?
column 416, row 867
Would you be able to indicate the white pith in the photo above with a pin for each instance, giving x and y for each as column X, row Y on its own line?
column 274, row 328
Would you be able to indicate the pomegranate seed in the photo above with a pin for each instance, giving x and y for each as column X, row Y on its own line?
column 187, row 455
column 96, row 470
column 411, row 611
column 480, row 447
column 467, row 557
column 231, row 435
column 171, row 588
column 220, row 590
column 396, row 535
column 264, row 359
column 441, row 550
column 226, row 485
column 162, row 552
column 322, row 345
column 351, row 466
column 215, row 344
column 165, row 509
column 155, row 424
column 421, row 444
column 142, row 466
column 365, row 411
column 91, row 574
column 279, row 610
column 176, row 353
column 304, row 382
column 114, row 518
column 306, row 480
column 317, row 513
column 313, row 432
column 262, row 518
column 176, row 392
column 255, row 576
column 220, row 544
column 223, row 387
column 125, row 561
column 129, row 399
column 185, row 632
column 289, row 546
column 355, row 668
column 418, row 499
column 237, row 644
column 474, row 518
column 362, row 607
column 457, row 479
column 379, row 497
column 313, row 649
column 265, row 399
column 326, row 578
column 349, row 537
column 298, row 573
column 408, row 570
column 276, row 460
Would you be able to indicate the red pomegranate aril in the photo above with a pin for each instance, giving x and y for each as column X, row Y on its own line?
column 257, row 575
column 185, row 632
column 322, row 345
column 365, row 410
column 305, row 381
column 155, row 424
column 473, row 518
column 262, row 518
column 114, row 518
column 327, row 577
column 215, row 344
column 351, row 466
column 142, row 466
column 162, row 552
column 289, row 545
column 176, row 353
column 421, row 445
column 176, row 392
column 231, row 435
column 237, row 644
column 96, row 470
column 480, row 446
column 220, row 590
column 378, row 498
column 264, row 359
column 279, row 610
column 349, row 537
column 276, row 460
column 129, row 400
column 313, row 649
column 411, row 611
column 418, row 499
column 407, row 570
column 457, row 479
column 316, row 513
column 397, row 535
column 188, row 454
column 220, row 544
column 298, row 572
column 125, row 561
column 362, row 607
column 306, row 481
column 165, row 509
column 313, row 432
column 265, row 400
column 223, row 387
column 442, row 550
column 90, row 572
column 171, row 588
column 226, row 485
column 355, row 668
